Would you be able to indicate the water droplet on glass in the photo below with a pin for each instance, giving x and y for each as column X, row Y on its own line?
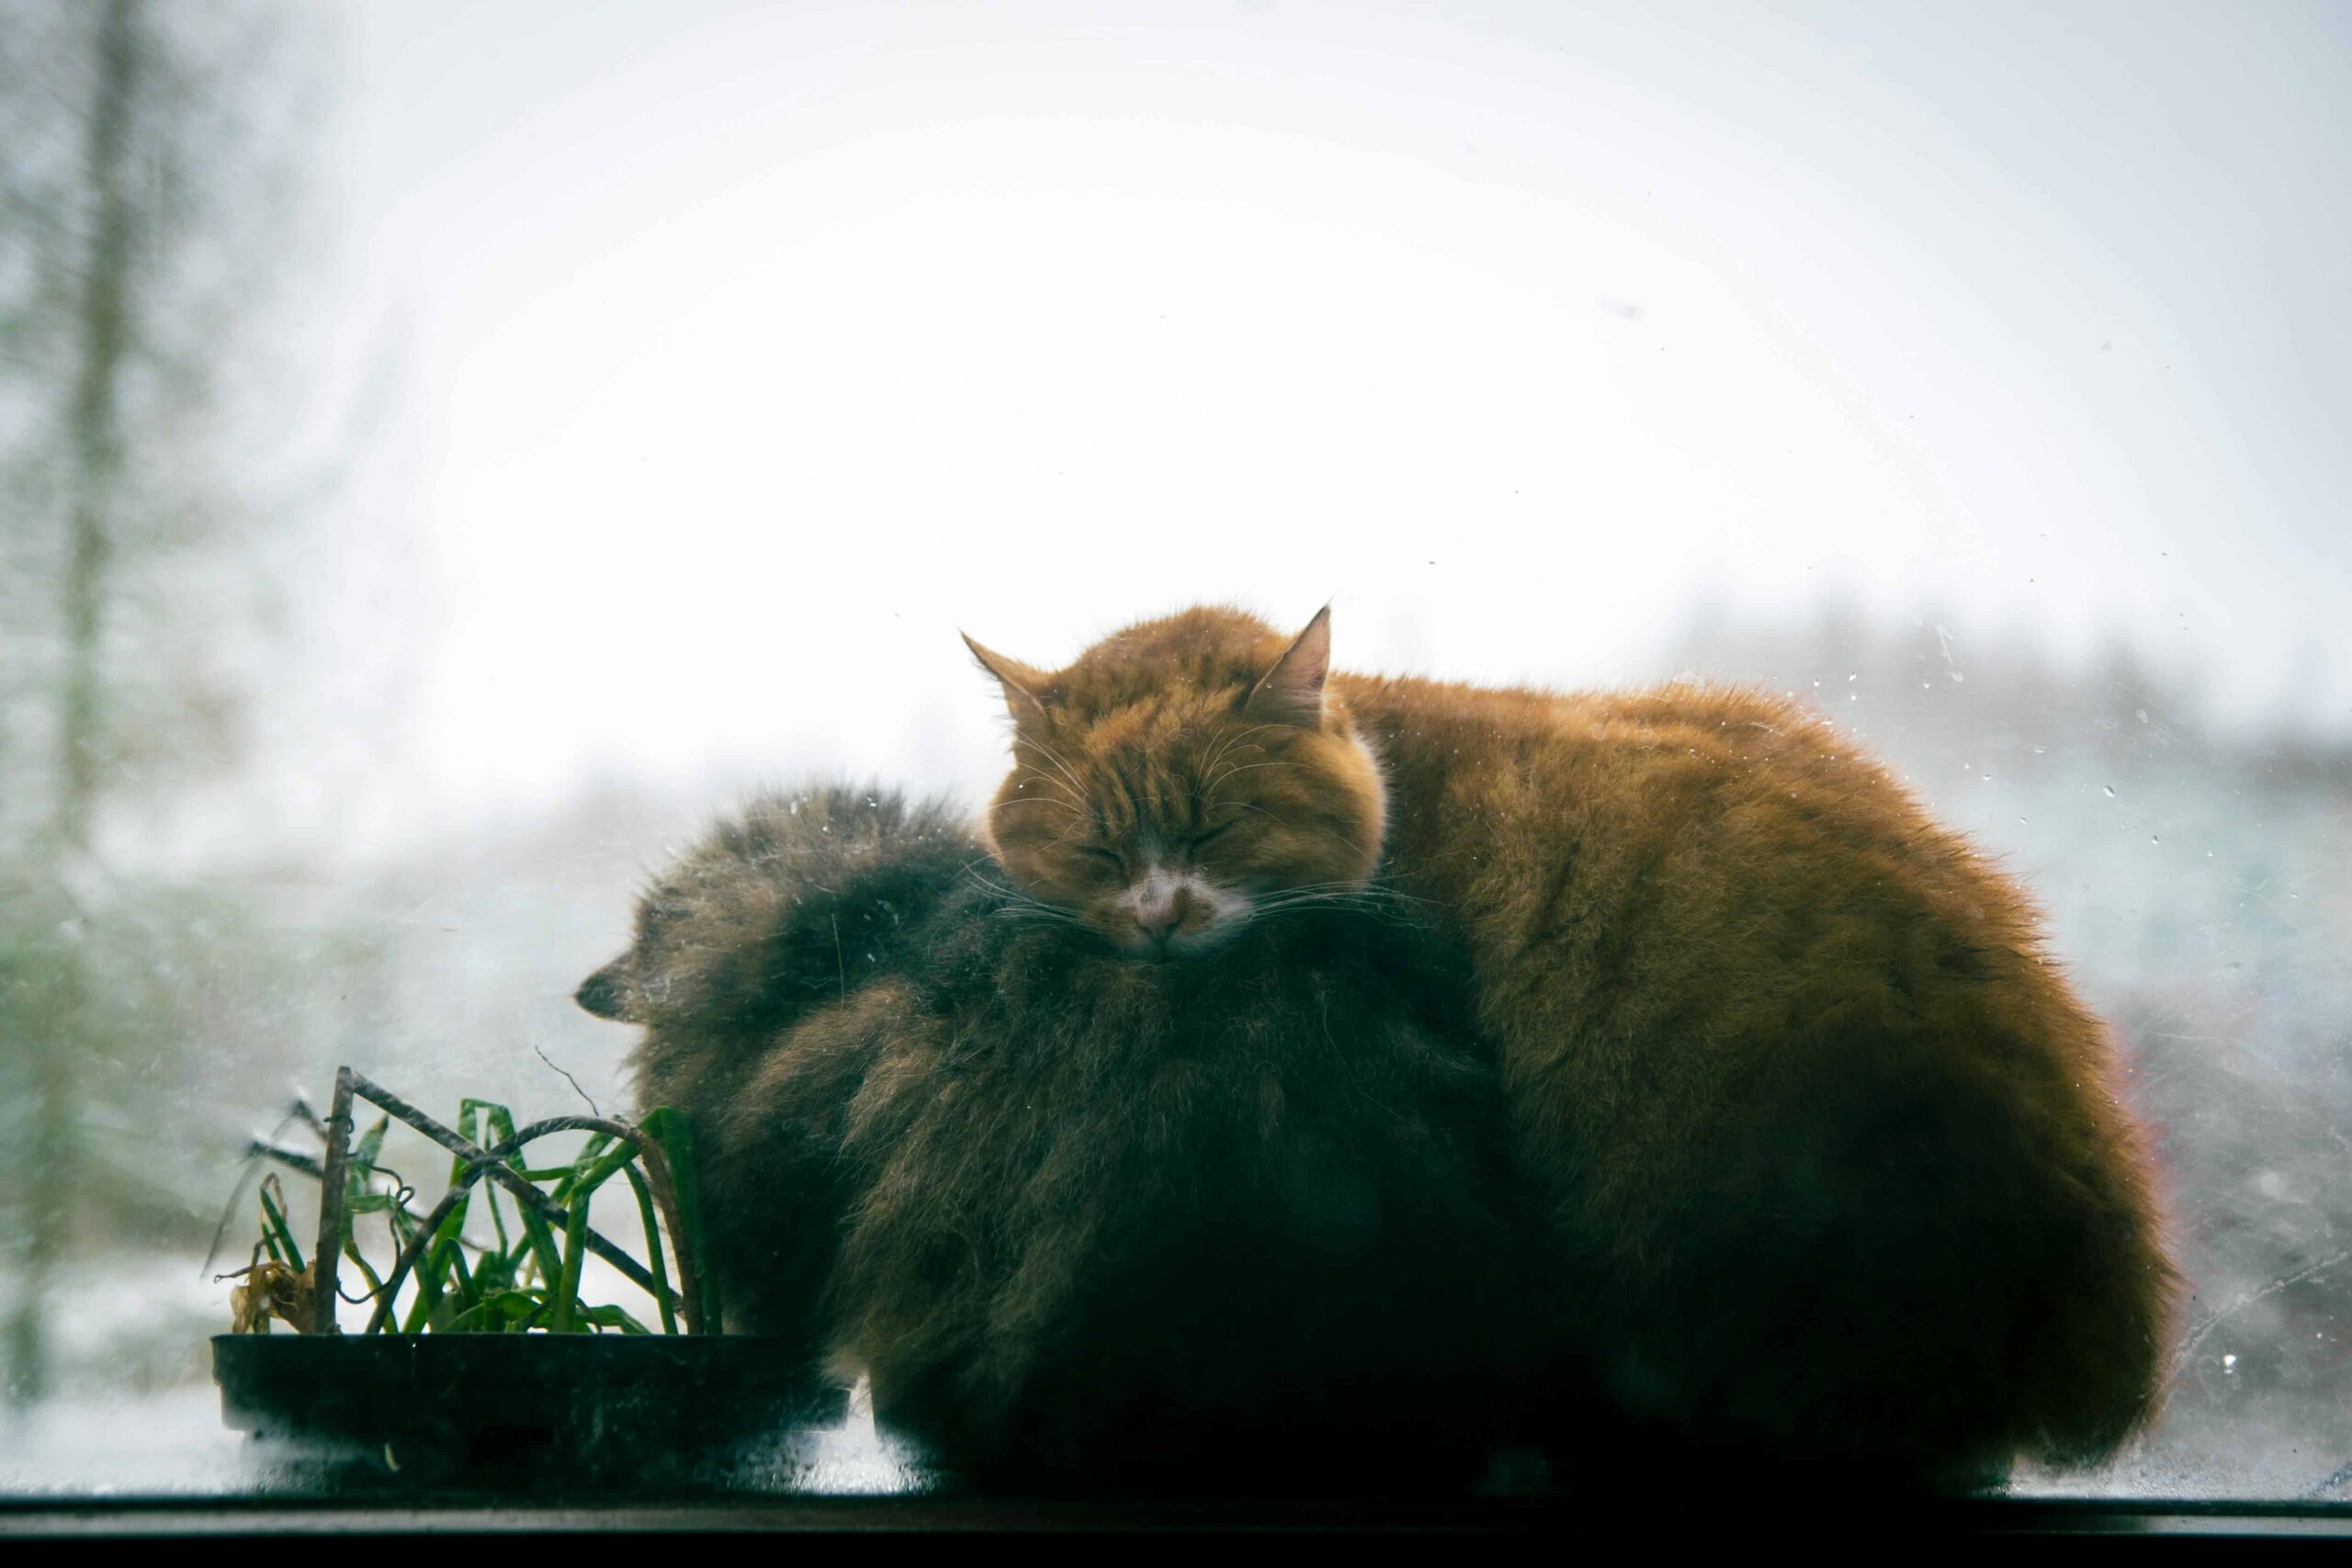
column 2110, row 791
column 1957, row 677
column 2141, row 713
column 1854, row 677
column 2229, row 1363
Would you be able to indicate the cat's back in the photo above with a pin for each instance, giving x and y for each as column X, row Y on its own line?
column 1744, row 985
column 777, row 910
column 1102, row 1165
column 1638, row 871
column 1531, row 811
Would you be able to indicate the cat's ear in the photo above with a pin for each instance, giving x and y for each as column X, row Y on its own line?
column 1021, row 685
column 1292, row 692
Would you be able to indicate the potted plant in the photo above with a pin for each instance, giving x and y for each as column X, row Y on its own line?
column 480, row 1361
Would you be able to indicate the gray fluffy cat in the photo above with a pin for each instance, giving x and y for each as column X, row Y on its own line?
column 1245, row 1217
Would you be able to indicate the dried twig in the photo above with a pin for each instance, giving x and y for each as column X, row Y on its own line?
column 333, row 1171
column 585, row 1097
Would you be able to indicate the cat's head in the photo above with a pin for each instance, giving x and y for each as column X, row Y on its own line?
column 1184, row 777
column 780, row 909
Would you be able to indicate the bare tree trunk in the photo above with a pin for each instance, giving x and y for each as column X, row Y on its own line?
column 97, row 426
column 94, row 450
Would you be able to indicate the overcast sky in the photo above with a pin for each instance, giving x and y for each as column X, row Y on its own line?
column 747, row 352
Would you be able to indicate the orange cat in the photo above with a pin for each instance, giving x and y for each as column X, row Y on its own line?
column 1834, row 1163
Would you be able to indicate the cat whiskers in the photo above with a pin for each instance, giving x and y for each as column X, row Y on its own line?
column 1240, row 768
column 1226, row 747
column 1019, row 904
column 1378, row 904
column 1035, row 800
column 1077, row 785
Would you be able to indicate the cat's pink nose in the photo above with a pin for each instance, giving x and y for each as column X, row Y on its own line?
column 1161, row 917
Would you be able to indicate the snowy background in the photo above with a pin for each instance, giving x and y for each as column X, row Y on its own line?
column 624, row 405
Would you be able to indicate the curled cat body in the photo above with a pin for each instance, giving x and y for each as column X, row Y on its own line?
column 1834, row 1160
column 1243, row 1222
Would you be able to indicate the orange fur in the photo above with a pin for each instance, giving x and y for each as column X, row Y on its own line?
column 1162, row 744
column 1832, row 1153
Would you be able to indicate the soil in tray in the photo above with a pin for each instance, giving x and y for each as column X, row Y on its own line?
column 531, row 1411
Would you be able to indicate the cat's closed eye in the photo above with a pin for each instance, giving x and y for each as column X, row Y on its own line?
column 1199, row 841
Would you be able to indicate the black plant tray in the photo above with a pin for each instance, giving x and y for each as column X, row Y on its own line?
column 520, row 1409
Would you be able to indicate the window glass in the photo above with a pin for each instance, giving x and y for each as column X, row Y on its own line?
column 448, row 453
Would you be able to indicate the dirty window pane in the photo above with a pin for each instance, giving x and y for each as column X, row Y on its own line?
column 448, row 452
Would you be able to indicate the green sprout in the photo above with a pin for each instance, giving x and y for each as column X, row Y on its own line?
column 460, row 1267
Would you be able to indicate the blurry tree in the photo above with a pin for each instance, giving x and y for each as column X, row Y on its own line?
column 148, row 156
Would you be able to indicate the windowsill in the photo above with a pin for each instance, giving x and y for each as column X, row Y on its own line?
column 162, row 1516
